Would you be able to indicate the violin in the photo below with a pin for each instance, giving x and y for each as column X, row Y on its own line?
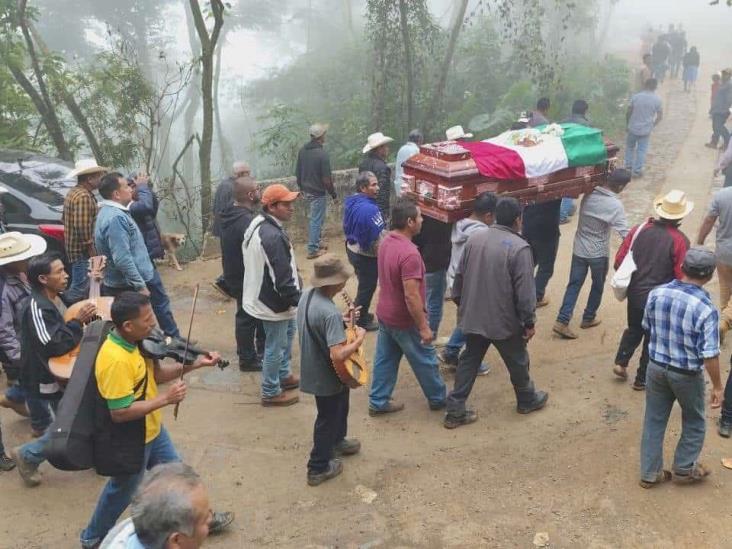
column 158, row 346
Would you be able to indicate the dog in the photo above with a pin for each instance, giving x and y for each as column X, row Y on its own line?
column 171, row 243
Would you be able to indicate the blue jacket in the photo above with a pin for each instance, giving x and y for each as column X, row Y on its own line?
column 117, row 236
column 362, row 221
column 144, row 211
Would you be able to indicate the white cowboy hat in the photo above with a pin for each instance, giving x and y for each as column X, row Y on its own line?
column 15, row 246
column 375, row 141
column 457, row 132
column 85, row 166
column 673, row 205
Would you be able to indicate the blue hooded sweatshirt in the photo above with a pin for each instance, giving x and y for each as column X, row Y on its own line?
column 362, row 222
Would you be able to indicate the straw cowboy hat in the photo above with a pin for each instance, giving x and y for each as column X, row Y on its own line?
column 673, row 205
column 318, row 130
column 375, row 141
column 85, row 166
column 457, row 132
column 330, row 271
column 15, row 246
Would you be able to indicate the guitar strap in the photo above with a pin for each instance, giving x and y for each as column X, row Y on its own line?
column 313, row 335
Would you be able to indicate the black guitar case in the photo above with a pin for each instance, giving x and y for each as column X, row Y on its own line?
column 71, row 443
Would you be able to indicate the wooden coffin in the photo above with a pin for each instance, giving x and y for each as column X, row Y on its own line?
column 444, row 180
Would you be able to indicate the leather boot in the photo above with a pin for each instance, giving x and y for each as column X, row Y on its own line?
column 528, row 399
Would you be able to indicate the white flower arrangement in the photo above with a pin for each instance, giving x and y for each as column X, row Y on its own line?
column 553, row 129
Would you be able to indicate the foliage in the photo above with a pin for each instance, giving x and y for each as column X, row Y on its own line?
column 17, row 115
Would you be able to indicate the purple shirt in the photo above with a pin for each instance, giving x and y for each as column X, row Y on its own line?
column 398, row 260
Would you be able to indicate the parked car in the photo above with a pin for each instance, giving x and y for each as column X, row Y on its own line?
column 32, row 191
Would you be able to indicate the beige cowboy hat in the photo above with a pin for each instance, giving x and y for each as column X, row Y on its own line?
column 318, row 130
column 673, row 205
column 457, row 132
column 375, row 141
column 15, row 246
column 85, row 166
column 330, row 270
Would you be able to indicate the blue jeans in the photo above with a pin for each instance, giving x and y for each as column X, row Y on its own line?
column 118, row 491
column 33, row 451
column 40, row 415
column 435, row 286
column 79, row 286
column 391, row 345
column 277, row 351
column 598, row 267
column 636, row 147
column 663, row 387
column 456, row 343
column 316, row 215
column 566, row 209
column 161, row 305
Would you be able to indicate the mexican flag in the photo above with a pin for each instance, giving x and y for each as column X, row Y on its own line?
column 502, row 158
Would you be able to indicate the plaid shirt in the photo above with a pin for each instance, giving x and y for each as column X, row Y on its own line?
column 80, row 213
column 683, row 325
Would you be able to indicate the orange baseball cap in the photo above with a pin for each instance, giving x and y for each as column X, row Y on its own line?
column 278, row 193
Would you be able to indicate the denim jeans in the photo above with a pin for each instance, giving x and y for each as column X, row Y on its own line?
column 79, row 286
column 719, row 129
column 391, row 345
column 456, row 343
column 544, row 251
column 598, row 267
column 33, row 451
column 367, row 273
column 277, row 351
column 435, row 286
column 663, row 387
column 566, row 209
column 636, row 147
column 161, row 305
column 331, row 427
column 316, row 215
column 38, row 408
column 118, row 491
column 249, row 334
column 633, row 336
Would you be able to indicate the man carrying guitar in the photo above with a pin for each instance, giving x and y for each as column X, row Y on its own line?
column 45, row 334
column 322, row 342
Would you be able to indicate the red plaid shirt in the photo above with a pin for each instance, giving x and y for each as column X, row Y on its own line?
column 80, row 213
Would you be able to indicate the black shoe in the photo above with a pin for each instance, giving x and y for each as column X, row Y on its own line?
column 724, row 429
column 538, row 402
column 335, row 468
column 390, row 408
column 7, row 463
column 347, row 447
column 470, row 416
column 448, row 359
column 250, row 365
column 220, row 286
column 219, row 522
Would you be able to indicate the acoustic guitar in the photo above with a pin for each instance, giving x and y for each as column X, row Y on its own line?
column 62, row 366
column 354, row 370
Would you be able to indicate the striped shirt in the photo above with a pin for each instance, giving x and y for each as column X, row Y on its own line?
column 80, row 213
column 600, row 212
column 683, row 326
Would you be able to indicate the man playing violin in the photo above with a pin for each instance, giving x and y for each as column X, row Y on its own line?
column 128, row 382
column 45, row 334
column 322, row 342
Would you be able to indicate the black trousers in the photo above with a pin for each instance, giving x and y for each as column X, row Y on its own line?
column 633, row 335
column 719, row 129
column 514, row 354
column 331, row 426
column 727, row 404
column 249, row 333
column 544, row 250
column 367, row 272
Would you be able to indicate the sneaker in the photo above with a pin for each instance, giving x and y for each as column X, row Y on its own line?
column 290, row 383
column 563, row 330
column 28, row 471
column 590, row 323
column 724, row 429
column 250, row 365
column 315, row 254
column 19, row 408
column 448, row 358
column 470, row 416
column 219, row 522
column 543, row 302
column 322, row 246
column 484, row 369
column 335, row 468
column 285, row 398
column 390, row 408
column 540, row 398
column 6, row 463
column 347, row 447
column 221, row 288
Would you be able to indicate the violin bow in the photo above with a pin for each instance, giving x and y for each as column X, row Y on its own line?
column 185, row 350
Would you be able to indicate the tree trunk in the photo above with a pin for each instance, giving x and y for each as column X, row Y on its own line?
column 377, row 90
column 436, row 101
column 407, row 64
column 225, row 151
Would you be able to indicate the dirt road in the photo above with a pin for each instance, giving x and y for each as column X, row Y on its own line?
column 570, row 470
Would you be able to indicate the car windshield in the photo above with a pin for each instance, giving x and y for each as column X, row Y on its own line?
column 43, row 179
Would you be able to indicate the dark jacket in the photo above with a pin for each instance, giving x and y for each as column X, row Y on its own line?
column 373, row 163
column 659, row 252
column 44, row 334
column 313, row 165
column 435, row 244
column 272, row 285
column 223, row 197
column 144, row 211
column 541, row 221
column 235, row 221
